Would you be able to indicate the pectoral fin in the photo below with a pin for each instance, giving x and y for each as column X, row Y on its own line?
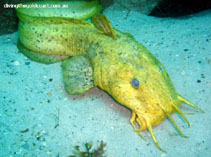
column 77, row 75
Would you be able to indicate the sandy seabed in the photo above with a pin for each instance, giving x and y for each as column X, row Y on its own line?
column 32, row 95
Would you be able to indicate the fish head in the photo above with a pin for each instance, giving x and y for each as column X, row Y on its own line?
column 143, row 85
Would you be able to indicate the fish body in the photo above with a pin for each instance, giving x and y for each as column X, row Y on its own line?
column 95, row 54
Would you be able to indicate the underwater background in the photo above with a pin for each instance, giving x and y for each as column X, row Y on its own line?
column 38, row 118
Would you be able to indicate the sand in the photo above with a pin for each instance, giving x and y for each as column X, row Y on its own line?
column 32, row 96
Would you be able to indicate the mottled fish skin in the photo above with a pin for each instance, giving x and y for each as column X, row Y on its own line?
column 118, row 61
column 121, row 66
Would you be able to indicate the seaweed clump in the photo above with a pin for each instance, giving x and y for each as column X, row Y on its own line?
column 87, row 152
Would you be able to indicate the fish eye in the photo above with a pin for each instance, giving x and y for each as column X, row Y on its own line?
column 135, row 83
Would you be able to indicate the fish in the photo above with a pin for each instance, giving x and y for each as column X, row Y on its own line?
column 94, row 54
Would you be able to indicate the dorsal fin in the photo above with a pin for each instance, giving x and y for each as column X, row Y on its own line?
column 103, row 24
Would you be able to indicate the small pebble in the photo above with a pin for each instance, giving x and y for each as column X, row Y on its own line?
column 27, row 63
column 25, row 146
column 18, row 151
column 49, row 94
column 202, row 76
column 44, row 144
column 198, row 81
column 24, row 131
column 49, row 152
column 16, row 63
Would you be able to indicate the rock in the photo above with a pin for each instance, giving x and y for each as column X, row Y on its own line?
column 143, row 6
column 8, row 18
column 176, row 8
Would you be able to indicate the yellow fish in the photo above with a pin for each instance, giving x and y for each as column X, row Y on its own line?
column 96, row 54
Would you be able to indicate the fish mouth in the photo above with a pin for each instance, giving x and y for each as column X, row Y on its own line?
column 141, row 122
